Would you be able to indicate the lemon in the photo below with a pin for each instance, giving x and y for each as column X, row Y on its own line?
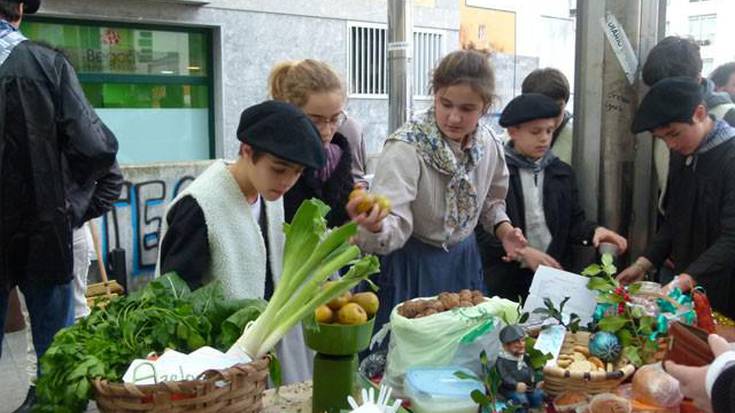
column 351, row 314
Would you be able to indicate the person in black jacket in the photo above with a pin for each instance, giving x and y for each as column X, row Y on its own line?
column 316, row 89
column 711, row 387
column 542, row 200
column 51, row 142
column 698, row 232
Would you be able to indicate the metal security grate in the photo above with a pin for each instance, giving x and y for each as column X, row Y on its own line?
column 428, row 48
column 367, row 59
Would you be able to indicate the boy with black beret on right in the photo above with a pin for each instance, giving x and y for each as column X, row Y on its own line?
column 542, row 201
column 698, row 233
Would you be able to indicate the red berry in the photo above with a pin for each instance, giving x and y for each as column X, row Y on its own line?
column 621, row 308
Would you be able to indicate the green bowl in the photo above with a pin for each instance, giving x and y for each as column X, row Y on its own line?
column 338, row 339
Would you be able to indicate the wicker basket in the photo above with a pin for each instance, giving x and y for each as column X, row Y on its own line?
column 558, row 380
column 237, row 389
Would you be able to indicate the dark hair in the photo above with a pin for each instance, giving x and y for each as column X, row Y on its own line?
column 256, row 153
column 466, row 66
column 547, row 81
column 672, row 56
column 721, row 75
column 9, row 10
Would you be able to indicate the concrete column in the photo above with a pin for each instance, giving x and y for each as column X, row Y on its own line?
column 613, row 166
column 400, row 46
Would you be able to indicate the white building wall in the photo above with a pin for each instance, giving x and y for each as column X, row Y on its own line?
column 722, row 49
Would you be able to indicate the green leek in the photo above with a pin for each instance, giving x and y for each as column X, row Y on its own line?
column 312, row 253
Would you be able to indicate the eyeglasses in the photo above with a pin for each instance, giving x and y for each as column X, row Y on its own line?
column 335, row 121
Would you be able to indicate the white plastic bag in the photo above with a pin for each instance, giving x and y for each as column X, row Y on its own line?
column 455, row 337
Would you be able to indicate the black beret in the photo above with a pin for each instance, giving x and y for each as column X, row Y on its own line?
column 511, row 333
column 528, row 107
column 30, row 6
column 670, row 100
column 282, row 130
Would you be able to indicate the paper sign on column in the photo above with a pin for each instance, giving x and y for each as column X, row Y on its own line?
column 621, row 46
column 556, row 285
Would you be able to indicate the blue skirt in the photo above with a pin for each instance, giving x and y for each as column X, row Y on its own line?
column 421, row 270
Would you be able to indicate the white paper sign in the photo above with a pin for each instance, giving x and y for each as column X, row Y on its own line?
column 621, row 46
column 556, row 285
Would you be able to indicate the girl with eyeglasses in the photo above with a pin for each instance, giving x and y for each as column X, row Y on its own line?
column 315, row 88
column 444, row 172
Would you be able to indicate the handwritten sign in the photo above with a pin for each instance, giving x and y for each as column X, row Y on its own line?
column 556, row 285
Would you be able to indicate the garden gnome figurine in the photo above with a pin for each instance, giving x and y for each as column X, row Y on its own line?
column 518, row 379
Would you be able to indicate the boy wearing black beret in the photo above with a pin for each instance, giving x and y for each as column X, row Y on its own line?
column 698, row 233
column 227, row 225
column 542, row 201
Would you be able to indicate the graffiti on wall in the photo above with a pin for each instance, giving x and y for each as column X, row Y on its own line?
column 134, row 223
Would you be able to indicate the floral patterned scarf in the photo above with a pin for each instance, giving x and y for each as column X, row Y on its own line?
column 461, row 194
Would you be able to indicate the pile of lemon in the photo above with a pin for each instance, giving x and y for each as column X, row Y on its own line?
column 348, row 309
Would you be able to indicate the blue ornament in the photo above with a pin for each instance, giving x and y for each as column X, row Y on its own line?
column 605, row 346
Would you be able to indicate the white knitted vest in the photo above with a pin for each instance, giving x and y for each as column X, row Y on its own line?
column 236, row 246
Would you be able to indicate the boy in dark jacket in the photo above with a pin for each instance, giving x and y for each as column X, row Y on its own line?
column 542, row 201
column 698, row 233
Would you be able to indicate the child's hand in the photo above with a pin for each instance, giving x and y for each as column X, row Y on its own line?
column 533, row 258
column 603, row 234
column 635, row 272
column 371, row 220
column 512, row 239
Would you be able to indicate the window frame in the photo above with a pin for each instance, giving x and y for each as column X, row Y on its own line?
column 383, row 26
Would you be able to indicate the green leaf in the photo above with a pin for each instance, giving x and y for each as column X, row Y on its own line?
column 609, row 298
column 646, row 324
column 232, row 328
column 484, row 360
column 632, row 354
column 465, row 376
column 562, row 304
column 634, row 288
column 610, row 270
column 480, row 398
column 612, row 323
column 524, row 318
column 600, row 284
column 536, row 358
column 607, row 260
column 592, row 270
column 574, row 324
column 625, row 337
column 274, row 368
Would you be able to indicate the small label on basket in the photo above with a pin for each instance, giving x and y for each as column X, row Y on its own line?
column 550, row 340
column 175, row 366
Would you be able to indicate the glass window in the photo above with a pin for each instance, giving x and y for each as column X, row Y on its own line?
column 702, row 28
column 150, row 85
